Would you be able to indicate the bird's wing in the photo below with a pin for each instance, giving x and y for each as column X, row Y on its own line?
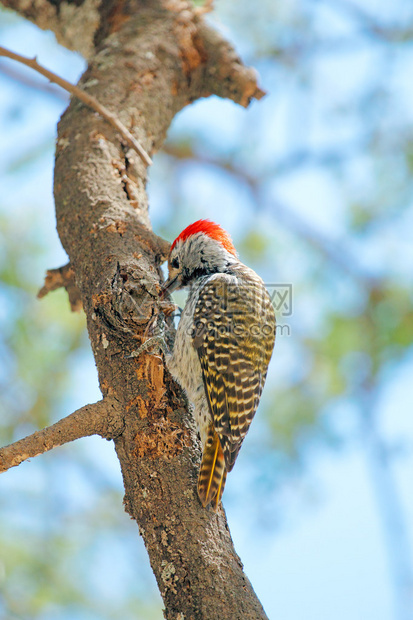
column 234, row 331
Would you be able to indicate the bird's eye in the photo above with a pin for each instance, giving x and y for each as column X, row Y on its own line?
column 175, row 263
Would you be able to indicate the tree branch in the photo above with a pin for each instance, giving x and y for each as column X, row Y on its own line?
column 103, row 418
column 86, row 98
column 152, row 59
column 62, row 277
column 226, row 72
column 74, row 22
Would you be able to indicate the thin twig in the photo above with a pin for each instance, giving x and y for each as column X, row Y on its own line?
column 87, row 99
column 103, row 418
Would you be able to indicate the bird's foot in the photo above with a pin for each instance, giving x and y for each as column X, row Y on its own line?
column 150, row 343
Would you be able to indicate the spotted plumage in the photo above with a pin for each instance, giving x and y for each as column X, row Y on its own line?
column 222, row 348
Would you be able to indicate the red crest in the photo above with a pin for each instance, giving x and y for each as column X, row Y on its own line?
column 214, row 231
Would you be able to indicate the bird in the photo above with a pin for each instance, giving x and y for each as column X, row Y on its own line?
column 222, row 348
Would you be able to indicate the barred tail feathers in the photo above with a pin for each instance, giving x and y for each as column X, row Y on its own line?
column 212, row 473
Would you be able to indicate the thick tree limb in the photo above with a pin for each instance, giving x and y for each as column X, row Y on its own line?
column 62, row 277
column 236, row 81
column 103, row 418
column 74, row 22
column 152, row 59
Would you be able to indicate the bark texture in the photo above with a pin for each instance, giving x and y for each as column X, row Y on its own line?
column 104, row 418
column 147, row 60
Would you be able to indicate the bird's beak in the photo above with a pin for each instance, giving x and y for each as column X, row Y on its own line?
column 170, row 285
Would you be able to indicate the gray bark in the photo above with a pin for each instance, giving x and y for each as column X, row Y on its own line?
column 147, row 60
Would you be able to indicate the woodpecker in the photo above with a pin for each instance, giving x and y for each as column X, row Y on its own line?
column 223, row 345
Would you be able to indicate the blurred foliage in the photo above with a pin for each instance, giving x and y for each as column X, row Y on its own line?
column 37, row 338
column 315, row 184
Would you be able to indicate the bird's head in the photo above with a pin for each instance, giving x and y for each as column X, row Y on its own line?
column 202, row 248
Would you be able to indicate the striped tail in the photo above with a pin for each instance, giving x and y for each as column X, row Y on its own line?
column 212, row 473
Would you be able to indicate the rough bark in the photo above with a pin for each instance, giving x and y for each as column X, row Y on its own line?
column 147, row 60
column 104, row 418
